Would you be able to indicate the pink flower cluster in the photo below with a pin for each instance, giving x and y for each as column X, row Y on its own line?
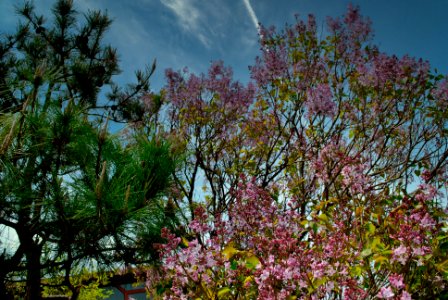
column 395, row 290
column 329, row 160
column 415, row 230
column 441, row 94
column 263, row 248
column 356, row 179
column 319, row 101
column 351, row 33
column 381, row 69
column 196, row 93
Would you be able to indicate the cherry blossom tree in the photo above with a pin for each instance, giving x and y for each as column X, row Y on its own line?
column 323, row 177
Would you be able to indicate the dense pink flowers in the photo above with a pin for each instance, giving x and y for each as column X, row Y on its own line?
column 426, row 192
column 386, row 293
column 351, row 32
column 441, row 93
column 396, row 280
column 329, row 161
column 198, row 92
column 356, row 179
column 274, row 62
column 320, row 101
column 401, row 254
column 199, row 224
column 275, row 253
column 382, row 69
column 405, row 296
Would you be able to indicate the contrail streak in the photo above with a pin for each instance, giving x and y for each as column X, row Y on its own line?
column 252, row 14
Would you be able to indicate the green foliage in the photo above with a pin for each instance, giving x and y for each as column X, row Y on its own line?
column 77, row 196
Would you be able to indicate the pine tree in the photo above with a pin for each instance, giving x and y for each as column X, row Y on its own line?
column 76, row 195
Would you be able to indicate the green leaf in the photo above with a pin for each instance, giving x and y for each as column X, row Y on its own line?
column 233, row 265
column 366, row 252
column 229, row 250
column 356, row 271
column 351, row 133
column 224, row 291
column 443, row 266
column 251, row 262
column 377, row 245
column 370, row 228
column 314, row 227
column 380, row 260
column 323, row 217
column 248, row 279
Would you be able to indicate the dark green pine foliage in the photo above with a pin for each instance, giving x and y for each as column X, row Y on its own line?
column 76, row 195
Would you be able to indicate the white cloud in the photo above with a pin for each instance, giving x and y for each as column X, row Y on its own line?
column 188, row 16
column 252, row 14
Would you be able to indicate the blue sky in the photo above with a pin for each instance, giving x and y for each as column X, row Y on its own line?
column 193, row 33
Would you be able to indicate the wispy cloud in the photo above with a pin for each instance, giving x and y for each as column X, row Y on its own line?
column 188, row 16
column 252, row 14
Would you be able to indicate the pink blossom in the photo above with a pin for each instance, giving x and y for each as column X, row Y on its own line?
column 426, row 175
column 352, row 32
column 405, row 296
column 400, row 254
column 427, row 221
column 396, row 280
column 320, row 101
column 385, row 293
column 199, row 223
column 274, row 61
column 331, row 154
column 441, row 94
column 358, row 25
column 355, row 179
column 426, row 192
column 420, row 251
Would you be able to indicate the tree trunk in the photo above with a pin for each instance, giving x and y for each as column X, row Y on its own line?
column 33, row 290
column 75, row 293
